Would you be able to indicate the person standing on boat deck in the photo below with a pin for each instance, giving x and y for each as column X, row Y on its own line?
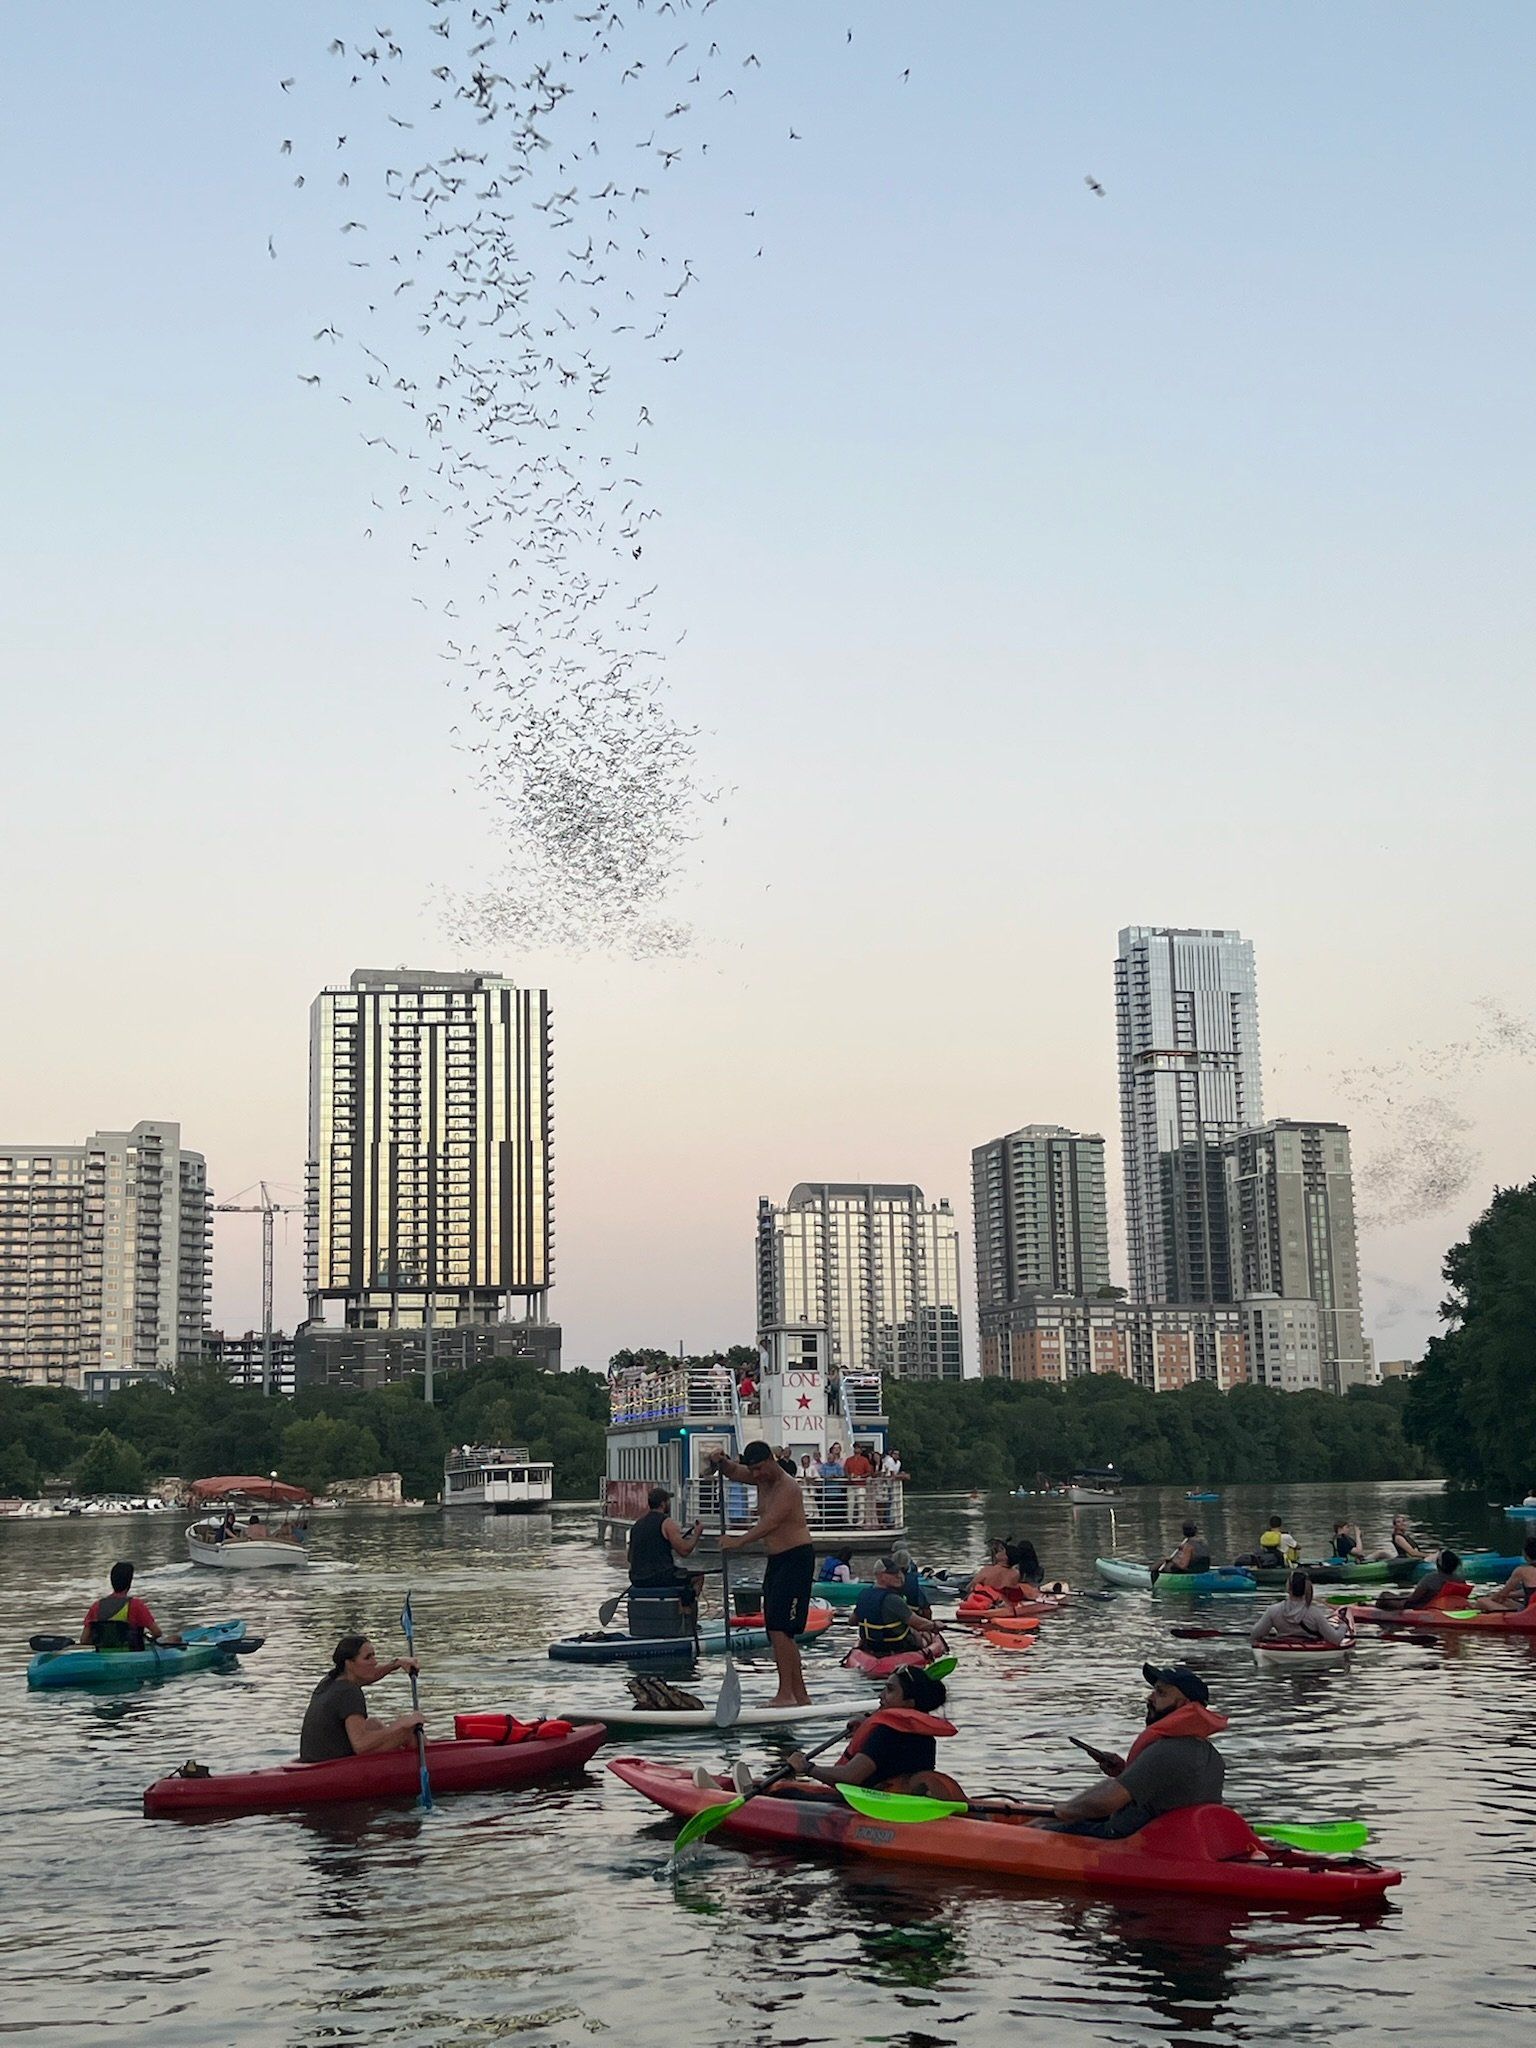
column 1298, row 1615
column 119, row 1621
column 1172, row 1763
column 656, row 1542
column 785, row 1536
column 834, row 1492
column 336, row 1721
column 858, row 1470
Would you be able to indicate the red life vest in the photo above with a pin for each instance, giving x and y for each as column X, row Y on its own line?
column 1190, row 1719
column 904, row 1721
column 1454, row 1593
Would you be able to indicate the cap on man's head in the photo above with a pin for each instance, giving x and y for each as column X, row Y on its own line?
column 1181, row 1678
column 757, row 1453
column 889, row 1564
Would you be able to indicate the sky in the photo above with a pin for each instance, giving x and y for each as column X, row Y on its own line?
column 1033, row 563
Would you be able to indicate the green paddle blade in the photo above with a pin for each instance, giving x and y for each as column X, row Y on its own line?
column 1464, row 1613
column 704, row 1822
column 1330, row 1838
column 941, row 1667
column 900, row 1806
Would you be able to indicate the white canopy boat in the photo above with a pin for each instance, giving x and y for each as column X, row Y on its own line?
column 261, row 1525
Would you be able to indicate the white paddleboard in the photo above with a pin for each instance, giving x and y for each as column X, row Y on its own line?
column 660, row 1718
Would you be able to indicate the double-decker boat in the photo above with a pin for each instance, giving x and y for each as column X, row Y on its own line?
column 497, row 1481
column 665, row 1421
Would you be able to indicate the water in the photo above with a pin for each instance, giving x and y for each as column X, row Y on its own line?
column 533, row 1916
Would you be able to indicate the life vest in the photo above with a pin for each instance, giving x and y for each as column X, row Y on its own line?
column 901, row 1721
column 881, row 1638
column 830, row 1567
column 110, row 1627
column 1190, row 1719
column 1454, row 1593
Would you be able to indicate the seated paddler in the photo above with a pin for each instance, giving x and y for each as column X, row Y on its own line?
column 887, row 1622
column 894, row 1749
column 1173, row 1762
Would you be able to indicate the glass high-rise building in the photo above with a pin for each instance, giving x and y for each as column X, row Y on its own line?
column 1042, row 1226
column 878, row 1266
column 106, row 1259
column 429, row 1153
column 1187, row 1022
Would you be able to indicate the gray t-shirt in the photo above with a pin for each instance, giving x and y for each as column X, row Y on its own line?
column 1300, row 1618
column 1176, row 1770
column 324, row 1734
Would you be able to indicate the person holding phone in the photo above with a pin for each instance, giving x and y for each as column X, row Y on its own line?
column 656, row 1542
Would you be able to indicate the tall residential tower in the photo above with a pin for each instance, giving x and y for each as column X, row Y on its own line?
column 878, row 1266
column 1187, row 1024
column 428, row 1183
column 1040, row 1216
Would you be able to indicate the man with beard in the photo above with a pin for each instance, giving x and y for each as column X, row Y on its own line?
column 1172, row 1763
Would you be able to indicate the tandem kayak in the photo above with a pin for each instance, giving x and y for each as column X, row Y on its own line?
column 1200, row 1849
column 1300, row 1653
column 1520, row 1623
column 1226, row 1578
column 869, row 1665
column 201, row 1647
column 458, row 1766
column 612, row 1646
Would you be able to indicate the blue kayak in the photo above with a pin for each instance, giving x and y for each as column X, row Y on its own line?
column 200, row 1648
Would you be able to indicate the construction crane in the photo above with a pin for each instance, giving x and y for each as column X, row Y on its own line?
column 266, row 1209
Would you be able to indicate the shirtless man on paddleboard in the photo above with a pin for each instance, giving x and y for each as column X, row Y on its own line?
column 783, row 1533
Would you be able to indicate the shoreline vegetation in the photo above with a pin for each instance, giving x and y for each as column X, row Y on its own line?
column 988, row 1434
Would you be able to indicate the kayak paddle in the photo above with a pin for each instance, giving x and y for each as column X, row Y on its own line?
column 1328, row 1838
column 408, row 1626
column 42, row 1643
column 708, row 1818
column 610, row 1608
column 899, row 1806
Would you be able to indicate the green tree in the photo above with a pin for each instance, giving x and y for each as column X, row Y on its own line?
column 322, row 1448
column 18, row 1471
column 110, row 1466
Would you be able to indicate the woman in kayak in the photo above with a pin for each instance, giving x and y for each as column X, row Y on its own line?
column 1347, row 1548
column 1518, row 1590
column 894, row 1748
column 1297, row 1616
column 336, row 1721
column 1001, row 1574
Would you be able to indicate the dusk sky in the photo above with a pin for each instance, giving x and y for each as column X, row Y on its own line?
column 1047, row 561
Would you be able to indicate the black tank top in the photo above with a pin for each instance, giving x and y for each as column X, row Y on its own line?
column 650, row 1555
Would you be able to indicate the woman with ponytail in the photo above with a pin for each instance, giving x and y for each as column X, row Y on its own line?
column 337, row 1723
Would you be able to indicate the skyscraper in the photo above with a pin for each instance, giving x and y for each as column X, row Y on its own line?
column 1291, row 1207
column 106, row 1256
column 877, row 1265
column 1187, row 1025
column 1040, row 1217
column 429, row 1159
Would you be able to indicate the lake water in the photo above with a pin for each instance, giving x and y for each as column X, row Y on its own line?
column 534, row 1916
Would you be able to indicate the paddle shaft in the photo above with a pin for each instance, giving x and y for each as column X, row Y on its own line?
column 421, row 1733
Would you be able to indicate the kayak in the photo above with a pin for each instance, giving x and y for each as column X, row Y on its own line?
column 844, row 1592
column 662, row 1718
column 203, row 1647
column 1526, row 1507
column 1300, row 1653
column 458, row 1766
column 987, row 1604
column 1202, row 1496
column 1200, row 1849
column 1224, row 1578
column 870, row 1666
column 611, row 1646
column 1338, row 1571
column 1481, row 1566
column 1520, row 1623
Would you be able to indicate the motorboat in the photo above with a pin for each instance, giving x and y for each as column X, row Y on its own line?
column 1095, row 1489
column 261, row 1524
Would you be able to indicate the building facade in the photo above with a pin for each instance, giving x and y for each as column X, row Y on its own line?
column 241, row 1359
column 1285, row 1343
column 428, row 1183
column 1291, row 1211
column 1041, row 1222
column 1159, row 1345
column 877, row 1265
column 1187, row 1027
column 106, row 1259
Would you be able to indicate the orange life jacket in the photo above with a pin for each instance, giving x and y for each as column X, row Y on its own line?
column 1190, row 1719
column 904, row 1721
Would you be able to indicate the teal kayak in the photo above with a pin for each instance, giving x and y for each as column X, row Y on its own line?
column 1119, row 1571
column 1338, row 1571
column 201, row 1647
column 844, row 1592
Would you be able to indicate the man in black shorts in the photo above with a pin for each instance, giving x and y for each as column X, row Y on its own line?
column 782, row 1531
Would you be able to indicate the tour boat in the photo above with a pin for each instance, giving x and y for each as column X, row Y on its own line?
column 1095, row 1489
column 276, row 1543
column 497, row 1481
column 665, row 1421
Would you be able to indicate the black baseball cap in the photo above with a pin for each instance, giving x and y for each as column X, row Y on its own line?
column 757, row 1453
column 1181, row 1678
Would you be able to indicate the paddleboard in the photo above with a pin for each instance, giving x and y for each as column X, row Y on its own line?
column 704, row 1717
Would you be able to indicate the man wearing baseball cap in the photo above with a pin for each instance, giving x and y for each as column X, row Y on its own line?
column 1172, row 1763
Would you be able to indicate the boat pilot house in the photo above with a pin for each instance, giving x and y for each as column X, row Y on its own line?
column 665, row 1422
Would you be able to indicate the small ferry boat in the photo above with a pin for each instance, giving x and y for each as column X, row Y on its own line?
column 497, row 1481
column 665, row 1421
column 1097, row 1489
column 253, row 1524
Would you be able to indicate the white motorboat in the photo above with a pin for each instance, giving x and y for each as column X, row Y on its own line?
column 1095, row 1489
column 261, row 1525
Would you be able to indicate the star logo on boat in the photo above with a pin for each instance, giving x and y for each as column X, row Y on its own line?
column 805, row 1400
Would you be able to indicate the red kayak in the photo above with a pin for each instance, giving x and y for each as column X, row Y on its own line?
column 457, row 1766
column 1520, row 1623
column 986, row 1603
column 865, row 1661
column 1200, row 1849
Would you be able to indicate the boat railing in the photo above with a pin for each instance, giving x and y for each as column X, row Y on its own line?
column 677, row 1393
column 831, row 1505
column 470, row 1457
column 861, row 1397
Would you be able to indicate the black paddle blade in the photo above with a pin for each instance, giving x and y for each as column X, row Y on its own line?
column 41, row 1643
column 245, row 1646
